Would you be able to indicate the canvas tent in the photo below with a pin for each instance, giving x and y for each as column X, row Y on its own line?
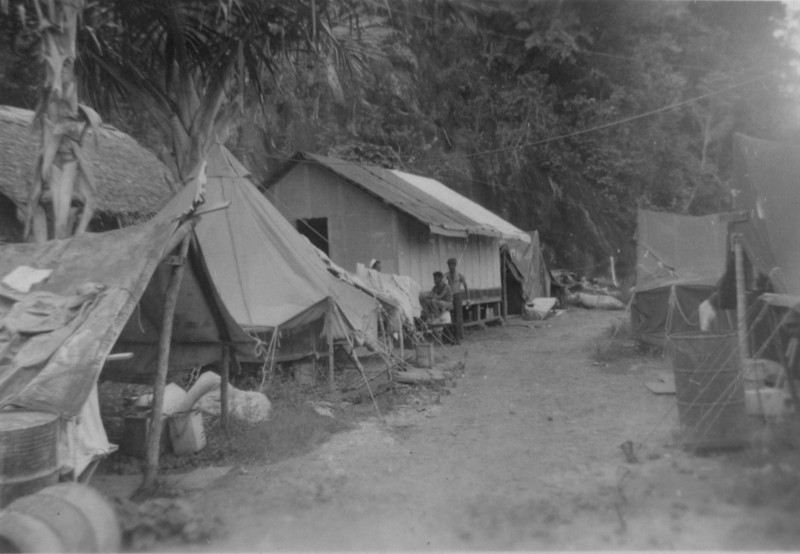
column 269, row 276
column 767, row 186
column 679, row 260
column 527, row 275
column 767, row 196
column 101, row 291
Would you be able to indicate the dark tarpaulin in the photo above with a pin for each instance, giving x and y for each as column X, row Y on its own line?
column 525, row 264
column 114, row 271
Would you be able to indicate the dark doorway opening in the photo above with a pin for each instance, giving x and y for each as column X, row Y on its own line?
column 316, row 230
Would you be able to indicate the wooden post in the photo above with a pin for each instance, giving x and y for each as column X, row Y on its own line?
column 160, row 381
column 613, row 272
column 223, row 387
column 741, row 300
column 331, row 365
column 503, row 288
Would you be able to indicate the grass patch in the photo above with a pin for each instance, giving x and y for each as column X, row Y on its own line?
column 618, row 344
column 615, row 344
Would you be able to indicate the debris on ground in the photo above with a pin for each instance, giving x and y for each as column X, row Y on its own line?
column 161, row 520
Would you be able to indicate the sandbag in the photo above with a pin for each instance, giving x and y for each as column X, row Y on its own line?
column 596, row 301
column 252, row 406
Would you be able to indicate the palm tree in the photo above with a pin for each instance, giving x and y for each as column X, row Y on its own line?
column 192, row 64
column 62, row 173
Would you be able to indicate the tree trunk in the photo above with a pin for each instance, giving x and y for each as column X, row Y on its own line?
column 61, row 171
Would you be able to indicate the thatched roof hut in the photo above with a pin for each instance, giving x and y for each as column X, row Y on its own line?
column 132, row 183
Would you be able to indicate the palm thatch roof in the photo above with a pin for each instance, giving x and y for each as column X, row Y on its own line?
column 131, row 181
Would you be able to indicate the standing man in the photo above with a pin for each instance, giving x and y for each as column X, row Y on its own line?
column 458, row 286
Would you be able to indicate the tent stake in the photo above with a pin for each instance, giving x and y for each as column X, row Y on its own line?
column 160, row 382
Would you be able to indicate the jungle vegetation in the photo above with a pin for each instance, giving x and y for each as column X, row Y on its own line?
column 560, row 115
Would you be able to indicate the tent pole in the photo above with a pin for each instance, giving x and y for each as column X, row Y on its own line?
column 223, row 387
column 503, row 288
column 741, row 307
column 160, row 381
column 331, row 383
column 386, row 343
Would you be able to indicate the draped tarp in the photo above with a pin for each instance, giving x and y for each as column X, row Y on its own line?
column 56, row 337
column 766, row 187
column 401, row 290
column 529, row 266
column 679, row 260
column 269, row 276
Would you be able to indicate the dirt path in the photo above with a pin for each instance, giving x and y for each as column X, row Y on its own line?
column 522, row 454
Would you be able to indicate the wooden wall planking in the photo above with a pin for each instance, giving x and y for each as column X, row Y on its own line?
column 362, row 227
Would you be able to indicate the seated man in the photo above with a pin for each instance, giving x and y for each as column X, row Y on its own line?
column 438, row 300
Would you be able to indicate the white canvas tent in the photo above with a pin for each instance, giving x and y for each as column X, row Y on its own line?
column 269, row 276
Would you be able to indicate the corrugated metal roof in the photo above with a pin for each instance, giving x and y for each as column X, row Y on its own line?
column 466, row 206
column 442, row 217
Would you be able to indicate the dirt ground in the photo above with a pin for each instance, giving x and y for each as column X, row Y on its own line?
column 521, row 452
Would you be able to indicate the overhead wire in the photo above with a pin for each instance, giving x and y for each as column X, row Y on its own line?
column 579, row 132
column 524, row 39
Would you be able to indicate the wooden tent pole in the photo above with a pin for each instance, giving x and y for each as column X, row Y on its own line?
column 160, row 382
column 223, row 387
column 503, row 287
column 331, row 383
column 741, row 301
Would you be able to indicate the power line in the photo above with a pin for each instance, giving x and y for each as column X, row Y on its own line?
column 582, row 131
column 604, row 125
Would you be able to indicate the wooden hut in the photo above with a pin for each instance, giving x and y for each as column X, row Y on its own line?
column 132, row 183
column 356, row 212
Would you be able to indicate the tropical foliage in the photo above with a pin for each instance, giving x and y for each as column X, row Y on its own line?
column 561, row 116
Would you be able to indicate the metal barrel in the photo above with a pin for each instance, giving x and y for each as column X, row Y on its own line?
column 709, row 390
column 28, row 453
column 68, row 517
